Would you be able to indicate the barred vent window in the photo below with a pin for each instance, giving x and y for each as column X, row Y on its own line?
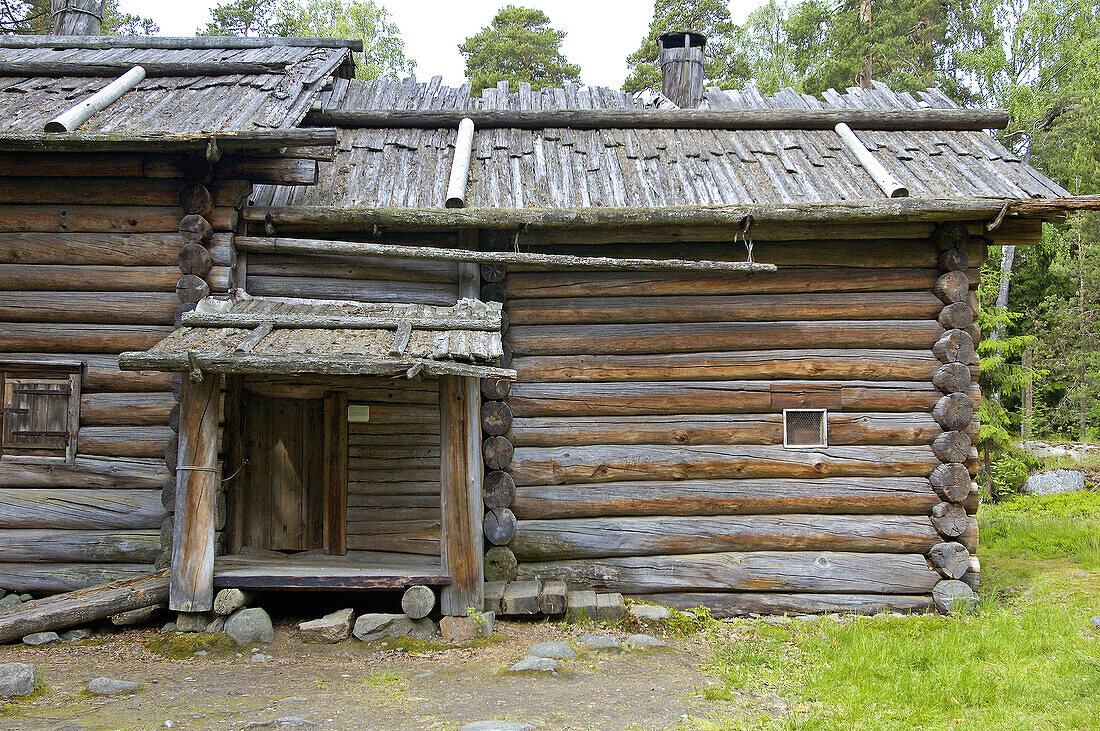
column 805, row 428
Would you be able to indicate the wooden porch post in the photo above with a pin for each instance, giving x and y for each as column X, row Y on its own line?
column 460, row 475
column 192, row 587
column 461, row 471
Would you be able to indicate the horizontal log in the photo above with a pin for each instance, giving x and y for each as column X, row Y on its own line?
column 42, row 578
column 48, row 545
column 84, row 472
column 365, row 490
column 421, row 293
column 62, row 278
column 112, row 191
column 102, row 219
column 91, row 164
column 564, row 465
column 420, row 537
column 707, row 336
column 719, row 119
column 62, row 69
column 123, row 441
column 738, row 604
column 109, row 249
column 113, row 308
column 172, row 44
column 348, row 267
column 825, row 572
column 102, row 374
column 833, row 495
column 868, row 364
column 71, row 338
column 796, row 279
column 844, row 429
column 395, row 513
column 553, row 540
column 127, row 409
column 274, row 170
column 712, row 397
column 60, row 509
column 712, row 308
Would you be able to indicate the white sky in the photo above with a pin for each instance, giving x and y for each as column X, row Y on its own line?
column 601, row 33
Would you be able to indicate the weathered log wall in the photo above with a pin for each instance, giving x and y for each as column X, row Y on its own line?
column 641, row 449
column 99, row 254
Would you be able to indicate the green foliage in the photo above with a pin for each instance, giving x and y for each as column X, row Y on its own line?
column 1033, row 662
column 383, row 49
column 34, row 17
column 518, row 46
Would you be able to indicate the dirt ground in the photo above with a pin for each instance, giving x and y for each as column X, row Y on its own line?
column 359, row 686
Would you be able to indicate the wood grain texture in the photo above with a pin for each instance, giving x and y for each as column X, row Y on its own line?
column 738, row 604
column 615, row 463
column 66, row 509
column 192, row 588
column 792, row 571
column 460, row 478
column 832, row 495
column 49, row 545
column 550, row 540
column 85, row 472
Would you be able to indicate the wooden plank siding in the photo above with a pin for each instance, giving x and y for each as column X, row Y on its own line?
column 647, row 422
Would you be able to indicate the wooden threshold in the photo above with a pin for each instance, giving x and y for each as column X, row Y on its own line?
column 253, row 572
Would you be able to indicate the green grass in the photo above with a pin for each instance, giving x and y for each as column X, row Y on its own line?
column 1028, row 659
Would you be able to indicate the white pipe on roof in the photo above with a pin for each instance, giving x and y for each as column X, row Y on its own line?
column 460, row 168
column 71, row 119
column 890, row 186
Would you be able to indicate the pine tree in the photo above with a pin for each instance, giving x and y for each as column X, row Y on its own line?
column 519, row 45
column 709, row 17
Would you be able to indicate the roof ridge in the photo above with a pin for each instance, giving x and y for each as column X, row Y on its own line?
column 173, row 43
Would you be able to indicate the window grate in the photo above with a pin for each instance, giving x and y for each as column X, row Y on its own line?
column 805, row 428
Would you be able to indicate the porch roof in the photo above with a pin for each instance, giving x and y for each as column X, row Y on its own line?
column 243, row 334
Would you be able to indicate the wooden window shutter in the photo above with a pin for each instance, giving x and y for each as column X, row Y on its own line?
column 39, row 415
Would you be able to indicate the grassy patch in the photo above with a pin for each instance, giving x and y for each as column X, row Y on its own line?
column 184, row 645
column 1032, row 661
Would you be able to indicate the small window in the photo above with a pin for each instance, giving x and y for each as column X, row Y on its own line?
column 40, row 412
column 805, row 428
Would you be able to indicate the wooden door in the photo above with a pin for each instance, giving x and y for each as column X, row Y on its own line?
column 281, row 498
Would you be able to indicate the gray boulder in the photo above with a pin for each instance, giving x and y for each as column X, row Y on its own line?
column 41, row 638
column 600, row 641
column 17, row 678
column 643, row 642
column 249, row 626
column 76, row 635
column 371, row 627
column 649, row 612
column 331, row 628
column 535, row 664
column 1055, row 481
column 192, row 621
column 110, row 686
column 556, row 650
column 217, row 625
column 228, row 601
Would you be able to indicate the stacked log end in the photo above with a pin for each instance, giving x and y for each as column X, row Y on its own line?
column 498, row 488
column 955, row 414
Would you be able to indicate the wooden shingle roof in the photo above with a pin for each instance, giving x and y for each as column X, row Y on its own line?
column 579, row 168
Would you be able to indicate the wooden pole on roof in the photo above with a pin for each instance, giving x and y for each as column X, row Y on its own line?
column 71, row 118
column 77, row 17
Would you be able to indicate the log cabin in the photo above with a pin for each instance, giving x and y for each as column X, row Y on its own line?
column 269, row 325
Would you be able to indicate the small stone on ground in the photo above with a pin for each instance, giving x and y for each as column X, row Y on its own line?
column 249, row 626
column 168, row 628
column 1095, row 622
column 331, row 628
column 228, row 601
column 16, row 679
column 75, row 635
column 258, row 658
column 110, row 686
column 370, row 627
column 601, row 641
column 11, row 600
column 644, row 641
column 556, row 650
column 41, row 638
column 538, row 664
column 650, row 612
column 497, row 726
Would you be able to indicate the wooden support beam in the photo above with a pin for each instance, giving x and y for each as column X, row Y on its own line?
column 726, row 119
column 460, row 478
column 197, row 482
column 562, row 261
column 336, row 472
column 172, row 44
column 69, row 69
